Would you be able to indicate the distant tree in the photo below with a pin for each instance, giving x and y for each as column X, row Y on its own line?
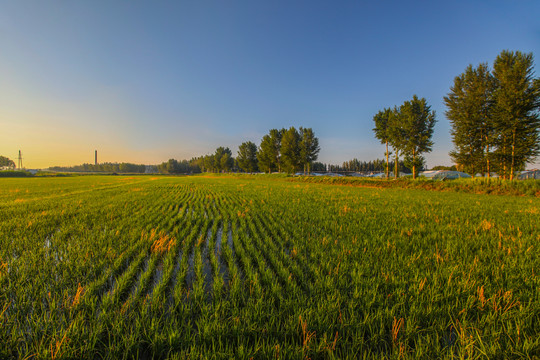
column 309, row 148
column 247, row 156
column 265, row 154
column 196, row 164
column 131, row 168
column 223, row 160
column 416, row 122
column 290, row 150
column 169, row 167
column 227, row 162
column 377, row 165
column 470, row 111
column 318, row 166
column 269, row 153
column 515, row 110
column 6, row 162
column 104, row 167
column 383, row 121
column 208, row 162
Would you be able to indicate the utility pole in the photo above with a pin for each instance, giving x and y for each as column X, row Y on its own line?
column 95, row 160
column 20, row 160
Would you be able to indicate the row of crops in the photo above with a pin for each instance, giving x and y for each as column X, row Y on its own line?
column 165, row 267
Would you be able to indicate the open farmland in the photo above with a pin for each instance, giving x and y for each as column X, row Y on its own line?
column 245, row 267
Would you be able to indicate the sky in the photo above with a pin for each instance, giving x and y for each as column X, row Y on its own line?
column 146, row 81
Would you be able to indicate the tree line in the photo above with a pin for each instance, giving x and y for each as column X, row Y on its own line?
column 285, row 150
column 494, row 116
column 371, row 166
column 106, row 167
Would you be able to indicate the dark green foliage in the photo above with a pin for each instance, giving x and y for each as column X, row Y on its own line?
column 269, row 153
column 318, row 166
column 408, row 129
column 516, row 104
column 208, row 163
column 106, row 167
column 309, row 148
column 377, row 165
column 416, row 122
column 220, row 161
column 470, row 111
column 383, row 121
column 6, row 162
column 15, row 173
column 223, row 160
column 291, row 158
column 494, row 116
column 174, row 167
column 247, row 157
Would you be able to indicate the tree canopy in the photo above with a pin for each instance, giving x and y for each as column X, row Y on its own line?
column 269, row 151
column 247, row 157
column 408, row 129
column 470, row 109
column 309, row 148
column 382, row 122
column 6, row 162
column 494, row 116
column 515, row 109
column 416, row 120
column 290, row 150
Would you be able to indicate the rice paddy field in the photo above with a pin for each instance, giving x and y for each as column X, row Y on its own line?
column 262, row 267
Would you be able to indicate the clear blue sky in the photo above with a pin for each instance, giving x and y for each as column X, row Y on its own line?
column 147, row 81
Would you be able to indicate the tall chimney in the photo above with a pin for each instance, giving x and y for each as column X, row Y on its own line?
column 96, row 158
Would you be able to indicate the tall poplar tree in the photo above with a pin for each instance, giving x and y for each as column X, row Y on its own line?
column 416, row 121
column 247, row 156
column 515, row 109
column 470, row 111
column 269, row 153
column 309, row 148
column 382, row 132
column 290, row 150
column 222, row 159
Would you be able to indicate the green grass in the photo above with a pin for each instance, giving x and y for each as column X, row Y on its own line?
column 493, row 186
column 264, row 267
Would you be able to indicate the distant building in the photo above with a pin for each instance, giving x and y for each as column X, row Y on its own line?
column 445, row 174
column 531, row 174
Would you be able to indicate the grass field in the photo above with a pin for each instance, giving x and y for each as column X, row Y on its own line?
column 223, row 267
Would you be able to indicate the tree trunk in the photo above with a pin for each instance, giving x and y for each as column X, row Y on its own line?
column 396, row 166
column 414, row 164
column 504, row 158
column 487, row 161
column 387, row 162
column 513, row 154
